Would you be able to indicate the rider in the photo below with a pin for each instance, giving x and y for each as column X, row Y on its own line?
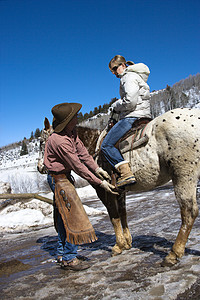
column 133, row 104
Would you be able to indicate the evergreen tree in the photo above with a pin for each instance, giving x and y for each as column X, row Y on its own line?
column 105, row 108
column 112, row 101
column 31, row 138
column 90, row 114
column 37, row 133
column 85, row 117
column 96, row 111
column 80, row 117
column 24, row 149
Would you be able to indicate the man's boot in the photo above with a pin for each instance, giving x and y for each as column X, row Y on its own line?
column 126, row 176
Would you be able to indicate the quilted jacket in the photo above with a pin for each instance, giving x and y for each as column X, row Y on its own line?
column 134, row 92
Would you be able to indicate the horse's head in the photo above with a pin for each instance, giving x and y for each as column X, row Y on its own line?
column 46, row 132
column 87, row 135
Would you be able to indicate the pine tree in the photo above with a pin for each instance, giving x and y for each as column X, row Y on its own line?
column 80, row 117
column 96, row 111
column 37, row 133
column 24, row 149
column 85, row 117
column 90, row 114
column 31, row 138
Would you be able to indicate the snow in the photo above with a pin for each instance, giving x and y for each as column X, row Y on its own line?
column 23, row 218
column 35, row 213
column 197, row 106
column 25, row 215
column 21, row 171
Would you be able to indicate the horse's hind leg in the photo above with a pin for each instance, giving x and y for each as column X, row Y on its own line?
column 185, row 191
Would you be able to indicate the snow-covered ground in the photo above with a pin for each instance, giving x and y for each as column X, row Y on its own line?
column 33, row 214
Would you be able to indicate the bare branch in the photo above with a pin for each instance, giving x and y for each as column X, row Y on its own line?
column 26, row 196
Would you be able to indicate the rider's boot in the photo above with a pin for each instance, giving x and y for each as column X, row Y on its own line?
column 126, row 177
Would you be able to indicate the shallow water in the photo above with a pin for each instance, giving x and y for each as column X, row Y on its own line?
column 28, row 269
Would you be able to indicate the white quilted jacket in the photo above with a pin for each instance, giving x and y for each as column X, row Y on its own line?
column 134, row 92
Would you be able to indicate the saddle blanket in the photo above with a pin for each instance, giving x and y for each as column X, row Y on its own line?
column 138, row 136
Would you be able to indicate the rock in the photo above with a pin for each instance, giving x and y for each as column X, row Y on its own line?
column 5, row 188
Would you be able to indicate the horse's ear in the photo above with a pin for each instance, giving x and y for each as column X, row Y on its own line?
column 46, row 124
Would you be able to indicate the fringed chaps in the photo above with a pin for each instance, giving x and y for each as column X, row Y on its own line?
column 78, row 228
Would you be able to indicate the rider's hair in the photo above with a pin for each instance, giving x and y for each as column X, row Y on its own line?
column 117, row 60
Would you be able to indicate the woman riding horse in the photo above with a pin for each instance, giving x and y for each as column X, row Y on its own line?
column 134, row 103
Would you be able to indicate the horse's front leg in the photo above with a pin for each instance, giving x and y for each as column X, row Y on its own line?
column 121, row 243
column 123, row 218
column 186, row 196
column 120, row 225
column 111, row 204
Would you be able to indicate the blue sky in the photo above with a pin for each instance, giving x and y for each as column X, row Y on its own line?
column 55, row 51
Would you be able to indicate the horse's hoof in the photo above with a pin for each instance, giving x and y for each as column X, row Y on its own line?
column 116, row 250
column 115, row 253
column 166, row 263
column 170, row 260
column 127, row 246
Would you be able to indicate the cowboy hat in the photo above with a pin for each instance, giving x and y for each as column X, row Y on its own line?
column 63, row 113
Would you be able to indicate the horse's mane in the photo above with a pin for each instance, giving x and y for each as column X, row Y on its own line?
column 89, row 137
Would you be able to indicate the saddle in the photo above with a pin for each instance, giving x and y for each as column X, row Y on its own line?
column 78, row 228
column 136, row 137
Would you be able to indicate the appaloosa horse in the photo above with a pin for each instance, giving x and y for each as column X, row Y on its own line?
column 171, row 153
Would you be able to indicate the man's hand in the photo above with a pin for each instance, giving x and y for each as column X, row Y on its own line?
column 102, row 174
column 108, row 187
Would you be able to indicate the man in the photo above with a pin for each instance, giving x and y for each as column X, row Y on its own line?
column 64, row 152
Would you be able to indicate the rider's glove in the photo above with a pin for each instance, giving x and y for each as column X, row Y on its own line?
column 102, row 174
column 108, row 187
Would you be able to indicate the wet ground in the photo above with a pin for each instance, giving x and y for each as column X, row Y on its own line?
column 28, row 269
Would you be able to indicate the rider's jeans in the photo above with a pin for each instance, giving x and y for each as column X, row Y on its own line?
column 66, row 250
column 112, row 154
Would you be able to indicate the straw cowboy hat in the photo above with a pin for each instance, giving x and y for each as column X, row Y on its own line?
column 63, row 113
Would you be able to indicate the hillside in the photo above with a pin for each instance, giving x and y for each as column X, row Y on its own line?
column 185, row 93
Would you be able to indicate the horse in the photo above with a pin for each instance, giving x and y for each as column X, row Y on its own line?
column 170, row 153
